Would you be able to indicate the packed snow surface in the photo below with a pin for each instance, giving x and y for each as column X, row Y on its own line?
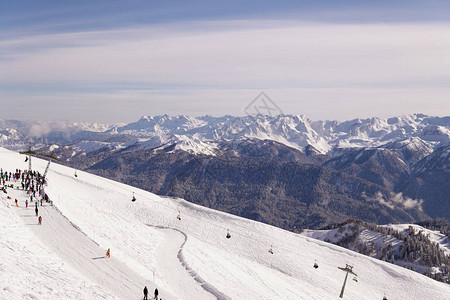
column 185, row 258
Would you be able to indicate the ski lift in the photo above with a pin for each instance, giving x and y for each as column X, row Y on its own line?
column 228, row 234
column 315, row 264
column 270, row 250
column 179, row 216
column 134, row 198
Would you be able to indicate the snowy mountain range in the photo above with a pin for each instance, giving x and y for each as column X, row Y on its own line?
column 310, row 173
column 170, row 244
column 196, row 133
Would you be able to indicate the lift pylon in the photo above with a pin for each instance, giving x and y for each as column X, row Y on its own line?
column 348, row 269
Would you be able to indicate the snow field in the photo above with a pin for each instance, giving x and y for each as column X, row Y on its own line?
column 29, row 269
column 194, row 259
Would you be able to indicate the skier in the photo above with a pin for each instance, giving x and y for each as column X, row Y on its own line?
column 145, row 293
column 15, row 200
column 26, row 204
column 156, row 294
column 40, row 220
column 36, row 210
column 108, row 253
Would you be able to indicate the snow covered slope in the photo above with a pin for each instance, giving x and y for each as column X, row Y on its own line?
column 406, row 245
column 434, row 235
column 189, row 258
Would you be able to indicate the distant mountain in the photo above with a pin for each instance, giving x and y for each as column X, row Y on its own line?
column 285, row 170
column 430, row 181
column 327, row 137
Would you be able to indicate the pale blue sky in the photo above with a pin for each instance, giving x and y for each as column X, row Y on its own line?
column 114, row 61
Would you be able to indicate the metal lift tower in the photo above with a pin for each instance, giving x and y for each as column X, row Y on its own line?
column 347, row 269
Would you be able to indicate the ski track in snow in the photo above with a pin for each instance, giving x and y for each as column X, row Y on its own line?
column 207, row 287
column 203, row 283
column 68, row 242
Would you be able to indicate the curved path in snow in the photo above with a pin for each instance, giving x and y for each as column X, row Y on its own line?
column 83, row 254
column 177, row 269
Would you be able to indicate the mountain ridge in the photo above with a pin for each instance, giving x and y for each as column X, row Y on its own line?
column 394, row 161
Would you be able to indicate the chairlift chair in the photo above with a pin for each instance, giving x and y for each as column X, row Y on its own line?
column 355, row 279
column 179, row 216
column 134, row 198
column 75, row 174
column 315, row 264
column 270, row 250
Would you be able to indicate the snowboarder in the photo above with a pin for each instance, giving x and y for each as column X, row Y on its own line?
column 40, row 220
column 156, row 294
column 108, row 253
column 36, row 210
column 145, row 293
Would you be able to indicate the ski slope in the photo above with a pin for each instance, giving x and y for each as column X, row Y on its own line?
column 189, row 258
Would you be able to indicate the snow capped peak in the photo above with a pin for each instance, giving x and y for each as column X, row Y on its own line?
column 295, row 131
column 194, row 145
column 145, row 119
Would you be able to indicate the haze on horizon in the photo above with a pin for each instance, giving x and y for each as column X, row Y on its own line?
column 113, row 62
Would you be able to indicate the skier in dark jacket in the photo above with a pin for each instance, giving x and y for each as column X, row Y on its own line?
column 156, row 294
column 36, row 210
column 145, row 293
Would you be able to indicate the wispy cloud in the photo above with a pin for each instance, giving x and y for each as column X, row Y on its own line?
column 237, row 54
column 407, row 202
column 352, row 62
column 396, row 199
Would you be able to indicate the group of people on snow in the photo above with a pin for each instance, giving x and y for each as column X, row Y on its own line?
column 30, row 181
column 146, row 294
